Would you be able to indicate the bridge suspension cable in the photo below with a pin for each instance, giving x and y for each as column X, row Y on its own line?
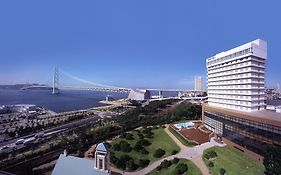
column 88, row 82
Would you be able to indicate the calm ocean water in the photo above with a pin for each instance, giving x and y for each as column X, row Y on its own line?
column 66, row 100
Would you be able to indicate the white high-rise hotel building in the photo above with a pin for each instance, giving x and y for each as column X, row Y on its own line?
column 236, row 77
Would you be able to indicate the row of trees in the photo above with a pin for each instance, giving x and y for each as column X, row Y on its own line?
column 181, row 168
column 150, row 115
column 126, row 162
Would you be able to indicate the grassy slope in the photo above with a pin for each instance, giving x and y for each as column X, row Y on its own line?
column 160, row 140
column 192, row 169
column 235, row 162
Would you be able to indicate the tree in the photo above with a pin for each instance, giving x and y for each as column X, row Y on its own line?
column 272, row 160
column 176, row 160
column 143, row 142
column 222, row 171
column 174, row 152
column 211, row 164
column 210, row 154
column 125, row 146
column 116, row 147
column 181, row 168
column 143, row 162
column 159, row 153
column 129, row 136
column 144, row 151
column 166, row 164
column 130, row 165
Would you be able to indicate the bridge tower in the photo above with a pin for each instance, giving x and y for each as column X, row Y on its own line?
column 56, row 81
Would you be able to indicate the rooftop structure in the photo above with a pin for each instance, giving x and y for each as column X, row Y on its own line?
column 236, row 77
column 71, row 165
column 139, row 95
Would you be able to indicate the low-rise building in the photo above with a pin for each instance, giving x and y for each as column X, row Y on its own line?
column 70, row 165
column 139, row 95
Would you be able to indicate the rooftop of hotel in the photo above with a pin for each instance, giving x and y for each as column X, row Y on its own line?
column 270, row 117
column 258, row 43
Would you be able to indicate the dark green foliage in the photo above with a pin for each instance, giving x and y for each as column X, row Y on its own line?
column 116, row 147
column 159, row 153
column 137, row 148
column 174, row 152
column 211, row 164
column 222, row 171
column 210, row 154
column 125, row 162
column 129, row 136
column 144, row 151
column 165, row 164
column 125, row 146
column 272, row 160
column 141, row 136
column 131, row 166
column 148, row 115
column 143, row 142
column 176, row 160
column 143, row 162
column 159, row 168
column 181, row 168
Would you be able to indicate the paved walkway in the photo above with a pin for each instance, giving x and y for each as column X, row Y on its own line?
column 190, row 153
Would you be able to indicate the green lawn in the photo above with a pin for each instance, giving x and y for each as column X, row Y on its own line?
column 181, row 139
column 234, row 162
column 160, row 140
column 192, row 169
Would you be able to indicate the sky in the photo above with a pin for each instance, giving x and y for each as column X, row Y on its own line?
column 130, row 43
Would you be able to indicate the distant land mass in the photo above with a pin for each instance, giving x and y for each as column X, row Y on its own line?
column 20, row 86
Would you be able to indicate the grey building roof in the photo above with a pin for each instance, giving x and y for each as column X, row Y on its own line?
column 70, row 165
column 102, row 147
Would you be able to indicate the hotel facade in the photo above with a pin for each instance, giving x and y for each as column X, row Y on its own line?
column 236, row 100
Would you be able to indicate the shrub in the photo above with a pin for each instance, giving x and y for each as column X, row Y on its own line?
column 123, row 135
column 143, row 162
column 143, row 142
column 176, row 160
column 125, row 158
column 116, row 147
column 125, row 146
column 138, row 148
column 174, row 152
column 166, row 163
column 181, row 168
column 222, row 171
column 113, row 159
column 159, row 168
column 159, row 153
column 210, row 154
column 211, row 164
column 119, row 164
column 141, row 136
column 149, row 135
column 129, row 136
column 130, row 165
column 144, row 151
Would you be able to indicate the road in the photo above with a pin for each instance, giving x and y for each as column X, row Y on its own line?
column 62, row 127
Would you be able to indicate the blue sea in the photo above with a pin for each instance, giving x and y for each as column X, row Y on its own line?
column 66, row 100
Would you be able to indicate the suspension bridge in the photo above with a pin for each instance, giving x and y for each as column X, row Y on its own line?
column 91, row 86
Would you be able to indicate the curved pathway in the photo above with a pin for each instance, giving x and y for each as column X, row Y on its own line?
column 190, row 153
